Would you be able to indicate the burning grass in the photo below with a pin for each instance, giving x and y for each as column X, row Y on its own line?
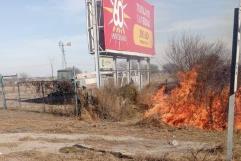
column 192, row 104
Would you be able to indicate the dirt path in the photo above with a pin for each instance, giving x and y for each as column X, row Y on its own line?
column 126, row 145
column 37, row 136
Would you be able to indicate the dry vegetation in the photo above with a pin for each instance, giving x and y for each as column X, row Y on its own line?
column 116, row 104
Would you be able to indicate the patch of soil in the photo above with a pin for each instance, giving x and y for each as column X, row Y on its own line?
column 81, row 148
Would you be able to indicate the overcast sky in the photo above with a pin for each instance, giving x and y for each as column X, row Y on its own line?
column 30, row 30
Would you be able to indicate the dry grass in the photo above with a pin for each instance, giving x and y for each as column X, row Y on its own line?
column 39, row 156
column 191, row 156
column 116, row 104
column 144, row 99
column 151, row 158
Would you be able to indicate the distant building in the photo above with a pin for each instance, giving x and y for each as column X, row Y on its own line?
column 65, row 74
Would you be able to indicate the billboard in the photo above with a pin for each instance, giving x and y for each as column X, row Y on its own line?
column 129, row 27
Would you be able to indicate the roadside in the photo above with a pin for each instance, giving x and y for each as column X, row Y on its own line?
column 38, row 136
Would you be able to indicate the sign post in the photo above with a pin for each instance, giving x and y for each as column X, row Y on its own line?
column 233, row 82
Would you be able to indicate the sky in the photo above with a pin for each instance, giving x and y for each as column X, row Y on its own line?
column 30, row 31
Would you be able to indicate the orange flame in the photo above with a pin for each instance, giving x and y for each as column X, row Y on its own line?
column 183, row 107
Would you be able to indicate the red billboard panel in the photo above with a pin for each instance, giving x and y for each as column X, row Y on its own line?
column 129, row 27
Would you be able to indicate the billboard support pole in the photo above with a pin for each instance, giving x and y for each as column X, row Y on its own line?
column 115, row 72
column 233, row 83
column 148, row 71
column 129, row 70
column 93, row 36
column 96, row 44
column 139, row 73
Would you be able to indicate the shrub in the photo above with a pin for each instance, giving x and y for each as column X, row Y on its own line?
column 128, row 92
column 144, row 98
column 115, row 104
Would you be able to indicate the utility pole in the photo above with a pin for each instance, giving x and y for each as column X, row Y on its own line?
column 233, row 82
column 51, row 60
column 62, row 45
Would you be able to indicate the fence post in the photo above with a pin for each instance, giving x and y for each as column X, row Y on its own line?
column 3, row 92
column 77, row 110
column 19, row 94
column 43, row 95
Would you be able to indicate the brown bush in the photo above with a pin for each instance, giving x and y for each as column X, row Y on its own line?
column 144, row 98
column 128, row 92
column 115, row 104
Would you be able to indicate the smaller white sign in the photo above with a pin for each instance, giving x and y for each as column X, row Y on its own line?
column 106, row 63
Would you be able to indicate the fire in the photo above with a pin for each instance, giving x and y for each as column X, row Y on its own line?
column 238, row 110
column 187, row 106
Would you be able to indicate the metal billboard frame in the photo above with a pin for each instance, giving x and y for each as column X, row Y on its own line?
column 94, row 15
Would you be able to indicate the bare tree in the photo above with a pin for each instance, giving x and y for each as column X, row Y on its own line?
column 190, row 50
column 169, row 68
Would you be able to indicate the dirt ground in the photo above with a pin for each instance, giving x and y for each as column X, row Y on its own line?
column 40, row 136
